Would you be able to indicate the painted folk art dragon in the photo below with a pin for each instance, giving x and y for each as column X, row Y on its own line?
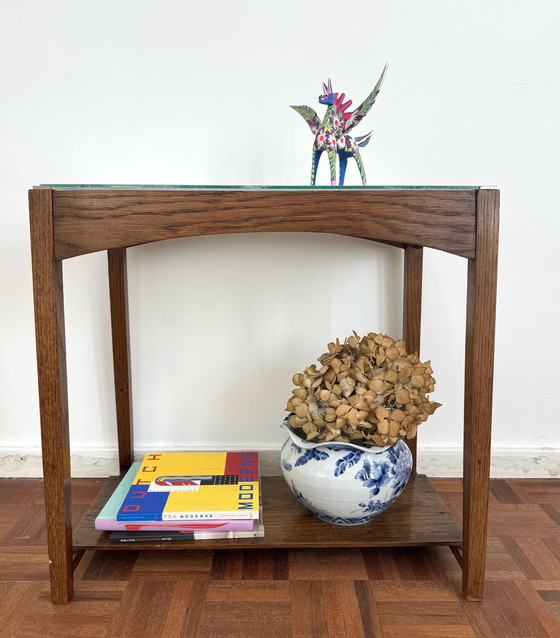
column 331, row 135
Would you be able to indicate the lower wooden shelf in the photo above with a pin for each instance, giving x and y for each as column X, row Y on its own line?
column 418, row 517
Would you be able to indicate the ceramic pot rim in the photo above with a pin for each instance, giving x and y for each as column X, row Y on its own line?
column 308, row 445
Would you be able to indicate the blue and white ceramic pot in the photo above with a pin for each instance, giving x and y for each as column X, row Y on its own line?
column 343, row 483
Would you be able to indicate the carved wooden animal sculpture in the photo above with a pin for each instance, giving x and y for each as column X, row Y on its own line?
column 331, row 134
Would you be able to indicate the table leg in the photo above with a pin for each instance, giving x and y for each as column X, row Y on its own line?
column 412, row 310
column 53, row 394
column 118, row 292
column 479, row 353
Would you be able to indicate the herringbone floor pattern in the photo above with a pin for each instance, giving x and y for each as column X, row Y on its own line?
column 400, row 593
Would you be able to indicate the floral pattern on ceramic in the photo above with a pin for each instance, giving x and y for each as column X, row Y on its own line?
column 343, row 483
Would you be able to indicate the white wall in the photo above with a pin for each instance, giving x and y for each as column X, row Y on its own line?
column 182, row 93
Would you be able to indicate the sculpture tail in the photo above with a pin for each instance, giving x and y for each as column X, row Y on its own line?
column 363, row 140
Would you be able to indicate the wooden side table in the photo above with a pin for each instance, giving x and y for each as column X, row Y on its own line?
column 68, row 221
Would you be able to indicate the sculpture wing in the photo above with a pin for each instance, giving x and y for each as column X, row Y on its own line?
column 358, row 114
column 309, row 116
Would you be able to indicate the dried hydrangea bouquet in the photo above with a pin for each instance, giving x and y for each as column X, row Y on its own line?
column 353, row 412
column 368, row 391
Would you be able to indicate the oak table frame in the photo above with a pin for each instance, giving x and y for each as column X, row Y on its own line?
column 70, row 221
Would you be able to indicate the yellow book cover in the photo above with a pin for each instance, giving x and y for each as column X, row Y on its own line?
column 194, row 485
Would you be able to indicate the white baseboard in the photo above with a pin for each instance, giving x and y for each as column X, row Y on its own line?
column 505, row 462
column 436, row 462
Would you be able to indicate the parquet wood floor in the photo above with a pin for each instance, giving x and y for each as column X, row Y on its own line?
column 329, row 593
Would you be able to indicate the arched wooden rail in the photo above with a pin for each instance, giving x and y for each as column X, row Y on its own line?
column 89, row 220
column 71, row 221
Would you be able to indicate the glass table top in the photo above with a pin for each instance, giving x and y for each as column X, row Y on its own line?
column 230, row 187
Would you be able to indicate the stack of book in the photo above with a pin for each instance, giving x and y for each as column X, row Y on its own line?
column 186, row 496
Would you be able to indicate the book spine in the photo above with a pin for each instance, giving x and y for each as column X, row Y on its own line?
column 151, row 539
column 138, row 517
column 181, row 517
column 218, row 535
column 132, row 538
column 215, row 525
column 232, row 515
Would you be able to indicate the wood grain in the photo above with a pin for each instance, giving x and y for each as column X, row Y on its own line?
column 53, row 393
column 290, row 593
column 118, row 294
column 412, row 311
column 418, row 517
column 479, row 374
column 67, row 223
column 88, row 221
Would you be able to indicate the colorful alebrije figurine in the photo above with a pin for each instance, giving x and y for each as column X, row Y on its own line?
column 331, row 134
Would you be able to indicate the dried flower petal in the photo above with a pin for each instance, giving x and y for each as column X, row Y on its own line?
column 381, row 413
column 343, row 409
column 383, row 426
column 347, row 385
column 402, row 396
